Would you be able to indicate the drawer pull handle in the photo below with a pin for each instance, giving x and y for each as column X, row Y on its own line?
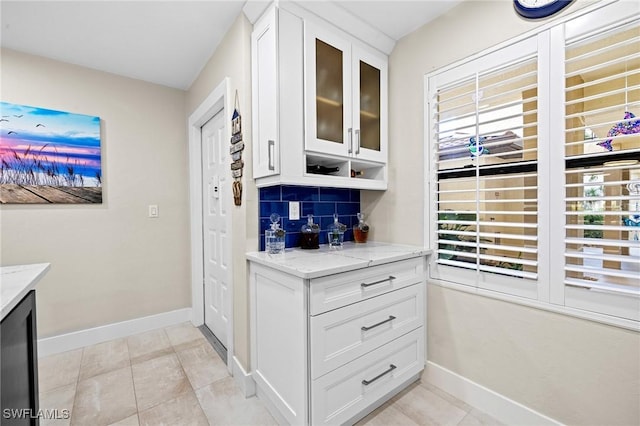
column 368, row 382
column 391, row 318
column 365, row 285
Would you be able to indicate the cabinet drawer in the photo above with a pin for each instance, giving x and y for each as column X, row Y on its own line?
column 343, row 393
column 338, row 290
column 344, row 334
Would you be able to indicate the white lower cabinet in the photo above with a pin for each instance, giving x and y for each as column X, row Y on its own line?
column 350, row 332
column 339, row 396
column 330, row 349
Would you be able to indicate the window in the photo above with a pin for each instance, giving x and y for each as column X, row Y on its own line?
column 602, row 173
column 485, row 139
column 534, row 167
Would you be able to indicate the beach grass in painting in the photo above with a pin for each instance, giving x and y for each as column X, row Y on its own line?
column 49, row 156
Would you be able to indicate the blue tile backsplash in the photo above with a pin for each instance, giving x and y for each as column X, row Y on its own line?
column 322, row 203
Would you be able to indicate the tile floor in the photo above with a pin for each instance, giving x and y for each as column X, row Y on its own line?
column 173, row 377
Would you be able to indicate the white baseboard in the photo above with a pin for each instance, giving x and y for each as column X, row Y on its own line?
column 91, row 336
column 243, row 379
column 270, row 406
column 496, row 405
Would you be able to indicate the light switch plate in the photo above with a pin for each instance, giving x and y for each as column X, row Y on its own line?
column 153, row 210
column 294, row 210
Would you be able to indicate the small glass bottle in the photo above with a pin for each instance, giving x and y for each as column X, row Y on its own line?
column 360, row 230
column 335, row 236
column 310, row 232
column 274, row 237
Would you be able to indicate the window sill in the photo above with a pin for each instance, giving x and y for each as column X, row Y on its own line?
column 563, row 310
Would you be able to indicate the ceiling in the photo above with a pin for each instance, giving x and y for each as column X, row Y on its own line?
column 163, row 42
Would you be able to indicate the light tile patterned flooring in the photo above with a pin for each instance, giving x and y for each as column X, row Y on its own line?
column 173, row 377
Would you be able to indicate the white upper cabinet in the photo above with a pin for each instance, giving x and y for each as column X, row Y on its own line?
column 345, row 97
column 319, row 104
column 264, row 57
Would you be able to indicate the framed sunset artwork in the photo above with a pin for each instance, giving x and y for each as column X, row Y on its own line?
column 48, row 156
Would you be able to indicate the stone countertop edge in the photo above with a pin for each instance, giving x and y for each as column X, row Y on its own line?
column 16, row 281
column 308, row 264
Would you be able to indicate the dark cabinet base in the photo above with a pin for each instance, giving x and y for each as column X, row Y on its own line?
column 19, row 364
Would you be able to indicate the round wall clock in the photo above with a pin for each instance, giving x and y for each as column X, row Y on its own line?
column 537, row 9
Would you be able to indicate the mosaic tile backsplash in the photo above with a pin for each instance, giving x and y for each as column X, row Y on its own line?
column 322, row 203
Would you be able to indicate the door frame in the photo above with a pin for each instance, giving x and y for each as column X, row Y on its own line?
column 218, row 100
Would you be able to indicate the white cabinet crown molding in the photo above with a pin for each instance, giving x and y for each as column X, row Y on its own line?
column 331, row 13
column 253, row 9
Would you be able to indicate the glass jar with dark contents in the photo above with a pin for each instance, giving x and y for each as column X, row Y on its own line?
column 360, row 230
column 309, row 234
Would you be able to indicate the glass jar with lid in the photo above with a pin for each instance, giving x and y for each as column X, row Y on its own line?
column 360, row 230
column 335, row 234
column 310, row 233
column 274, row 237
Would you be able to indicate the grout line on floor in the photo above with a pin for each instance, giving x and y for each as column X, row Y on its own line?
column 75, row 391
column 133, row 382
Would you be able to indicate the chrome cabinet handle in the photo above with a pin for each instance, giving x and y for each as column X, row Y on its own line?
column 391, row 318
column 357, row 141
column 350, row 132
column 271, row 145
column 364, row 285
column 368, row 382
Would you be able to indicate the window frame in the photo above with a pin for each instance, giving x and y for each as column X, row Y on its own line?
column 551, row 165
column 603, row 302
column 521, row 51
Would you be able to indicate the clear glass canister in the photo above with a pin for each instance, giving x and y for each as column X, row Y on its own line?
column 335, row 235
column 360, row 230
column 274, row 237
column 310, row 233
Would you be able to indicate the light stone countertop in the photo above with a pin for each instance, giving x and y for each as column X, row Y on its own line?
column 16, row 282
column 323, row 261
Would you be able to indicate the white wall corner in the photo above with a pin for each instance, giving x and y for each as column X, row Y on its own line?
column 494, row 404
column 91, row 336
column 243, row 379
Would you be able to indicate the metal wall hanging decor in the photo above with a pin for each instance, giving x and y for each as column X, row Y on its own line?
column 237, row 146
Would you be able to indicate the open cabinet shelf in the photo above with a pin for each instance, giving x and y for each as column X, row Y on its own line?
column 367, row 174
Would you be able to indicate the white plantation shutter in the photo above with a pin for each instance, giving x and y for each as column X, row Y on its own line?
column 551, row 208
column 485, row 207
column 602, row 170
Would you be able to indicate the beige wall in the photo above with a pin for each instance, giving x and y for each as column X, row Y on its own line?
column 233, row 59
column 576, row 371
column 109, row 262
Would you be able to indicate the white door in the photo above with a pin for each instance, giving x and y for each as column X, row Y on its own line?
column 216, row 224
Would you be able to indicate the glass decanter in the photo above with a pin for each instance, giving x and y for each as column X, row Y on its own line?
column 335, row 236
column 274, row 237
column 360, row 230
column 310, row 233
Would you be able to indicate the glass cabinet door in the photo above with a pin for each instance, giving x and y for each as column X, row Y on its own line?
column 346, row 96
column 329, row 93
column 370, row 106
